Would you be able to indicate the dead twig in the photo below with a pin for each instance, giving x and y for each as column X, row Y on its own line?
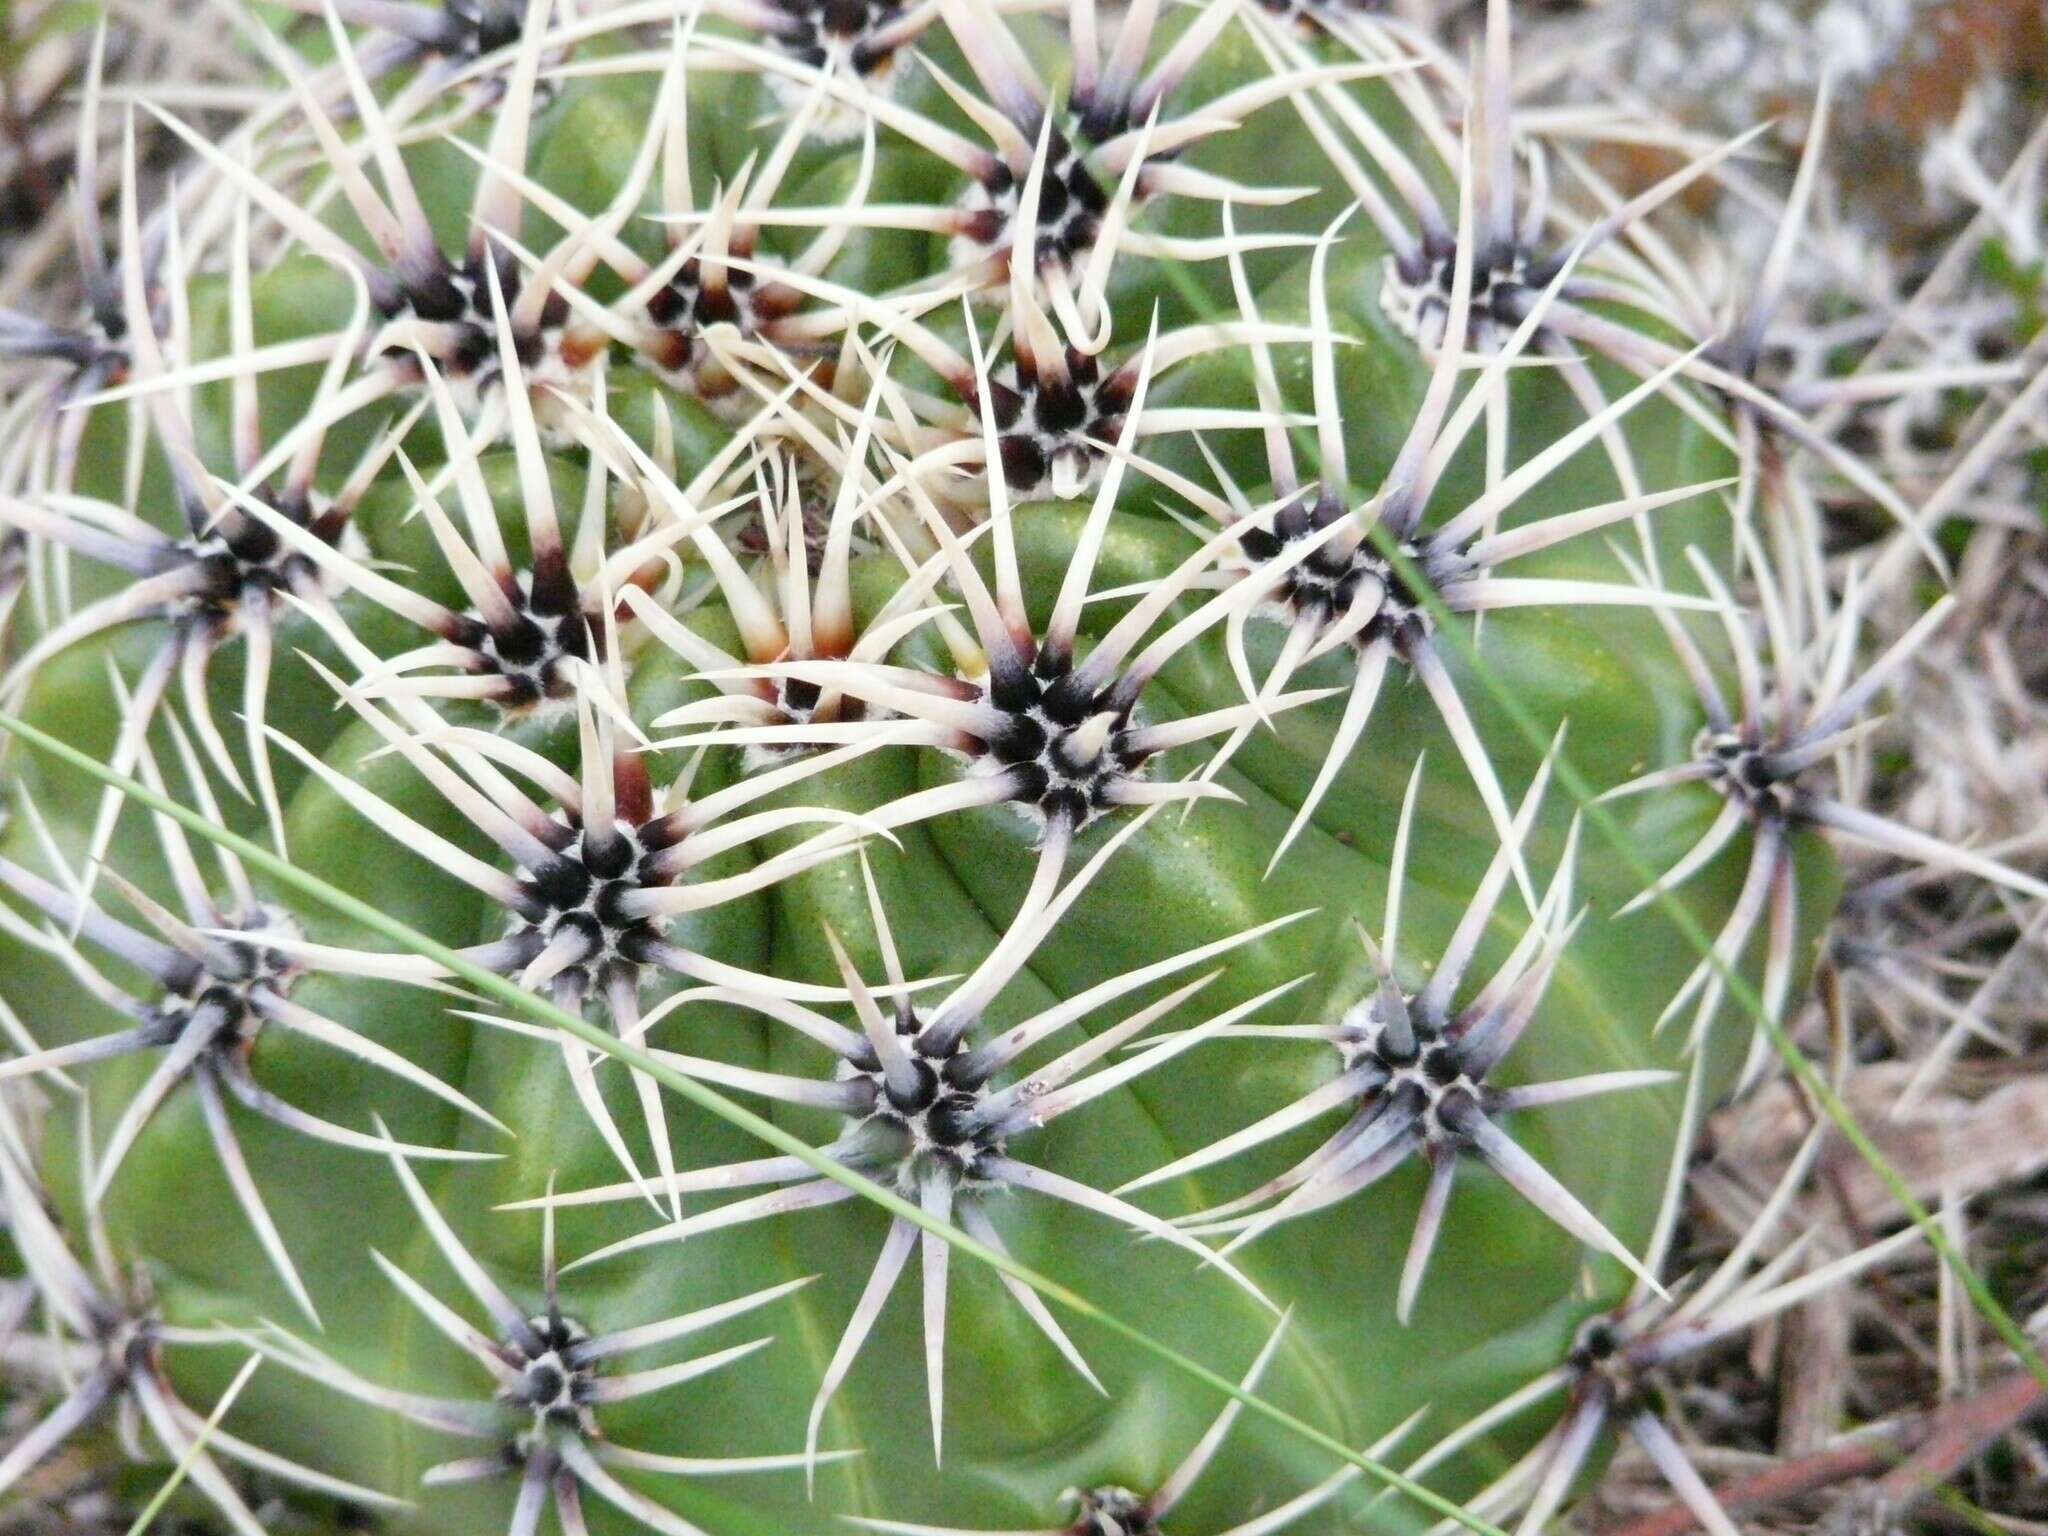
column 1934, row 1445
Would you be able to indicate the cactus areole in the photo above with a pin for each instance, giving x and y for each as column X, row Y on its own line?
column 1004, row 585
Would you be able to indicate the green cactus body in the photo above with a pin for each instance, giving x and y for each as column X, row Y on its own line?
column 1505, row 1288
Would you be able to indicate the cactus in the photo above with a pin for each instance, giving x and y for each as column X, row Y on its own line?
column 601, row 488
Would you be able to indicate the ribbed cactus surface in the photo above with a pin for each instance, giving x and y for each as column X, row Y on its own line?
column 1034, row 591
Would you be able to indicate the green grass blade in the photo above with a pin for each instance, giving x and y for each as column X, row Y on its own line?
column 183, row 1469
